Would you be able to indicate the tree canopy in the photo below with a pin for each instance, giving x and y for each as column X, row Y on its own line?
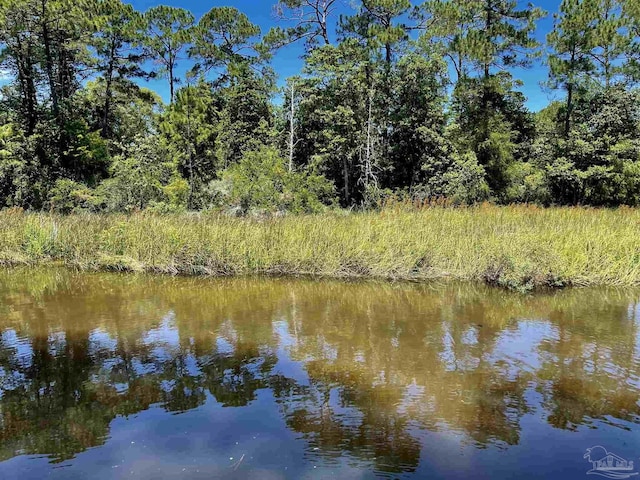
column 396, row 98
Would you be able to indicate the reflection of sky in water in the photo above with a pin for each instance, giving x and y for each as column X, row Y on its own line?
column 519, row 346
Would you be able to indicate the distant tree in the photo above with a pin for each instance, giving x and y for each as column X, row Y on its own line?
column 599, row 163
column 116, row 44
column 224, row 36
column 336, row 120
column 189, row 133
column 609, row 39
column 569, row 58
column 487, row 37
column 310, row 19
column 20, row 57
column 631, row 12
column 245, row 115
column 138, row 178
column 382, row 24
column 379, row 26
column 134, row 111
column 419, row 151
column 484, row 35
column 169, row 31
column 493, row 123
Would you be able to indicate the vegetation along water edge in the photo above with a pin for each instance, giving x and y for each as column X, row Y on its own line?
column 517, row 247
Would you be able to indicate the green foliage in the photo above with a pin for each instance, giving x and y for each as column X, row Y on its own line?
column 189, row 134
column 139, row 179
column 484, row 35
column 23, row 180
column 598, row 162
column 68, row 196
column 224, row 36
column 169, row 31
column 372, row 113
column 494, row 124
column 419, row 151
column 177, row 193
column 119, row 32
column 261, row 182
column 466, row 183
column 528, row 184
column 336, row 119
column 244, row 117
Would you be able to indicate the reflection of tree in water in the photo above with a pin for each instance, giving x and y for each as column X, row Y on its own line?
column 49, row 409
column 380, row 361
column 378, row 352
column 377, row 432
column 585, row 371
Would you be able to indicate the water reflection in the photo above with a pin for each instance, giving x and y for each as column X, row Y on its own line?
column 356, row 371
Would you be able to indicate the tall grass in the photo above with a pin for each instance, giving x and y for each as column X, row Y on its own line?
column 517, row 247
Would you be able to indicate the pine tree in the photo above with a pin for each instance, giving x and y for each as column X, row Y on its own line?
column 631, row 12
column 189, row 134
column 310, row 19
column 20, row 54
column 569, row 58
column 381, row 24
column 419, row 150
column 609, row 41
column 169, row 31
column 380, row 27
column 486, row 35
column 225, row 36
column 117, row 46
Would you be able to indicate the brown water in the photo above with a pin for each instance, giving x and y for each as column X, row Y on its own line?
column 106, row 377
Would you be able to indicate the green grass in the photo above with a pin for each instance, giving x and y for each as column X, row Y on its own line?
column 516, row 247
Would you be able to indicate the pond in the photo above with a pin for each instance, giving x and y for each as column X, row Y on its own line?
column 108, row 376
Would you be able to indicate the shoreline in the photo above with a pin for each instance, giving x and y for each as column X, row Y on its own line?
column 128, row 267
column 519, row 248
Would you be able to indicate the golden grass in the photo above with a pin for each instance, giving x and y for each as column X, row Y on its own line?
column 519, row 247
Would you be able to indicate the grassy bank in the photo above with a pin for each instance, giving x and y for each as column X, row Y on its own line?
column 515, row 247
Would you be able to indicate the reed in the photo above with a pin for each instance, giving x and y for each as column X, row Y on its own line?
column 518, row 247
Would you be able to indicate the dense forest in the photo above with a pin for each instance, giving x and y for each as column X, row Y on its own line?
column 395, row 100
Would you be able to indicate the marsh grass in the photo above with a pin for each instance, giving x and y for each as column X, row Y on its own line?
column 517, row 247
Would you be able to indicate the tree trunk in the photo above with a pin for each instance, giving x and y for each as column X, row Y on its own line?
column 567, row 117
column 171, row 67
column 322, row 17
column 487, row 75
column 368, row 169
column 107, row 92
column 191, row 148
column 345, row 171
column 27, row 84
column 292, row 128
column 49, row 63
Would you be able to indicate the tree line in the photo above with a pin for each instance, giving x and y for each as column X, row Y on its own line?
column 395, row 99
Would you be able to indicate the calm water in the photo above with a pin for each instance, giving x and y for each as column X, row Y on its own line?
column 107, row 377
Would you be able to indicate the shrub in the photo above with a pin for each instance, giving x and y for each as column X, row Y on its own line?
column 68, row 196
column 466, row 181
column 261, row 182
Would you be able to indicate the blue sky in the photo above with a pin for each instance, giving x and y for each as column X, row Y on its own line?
column 287, row 62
